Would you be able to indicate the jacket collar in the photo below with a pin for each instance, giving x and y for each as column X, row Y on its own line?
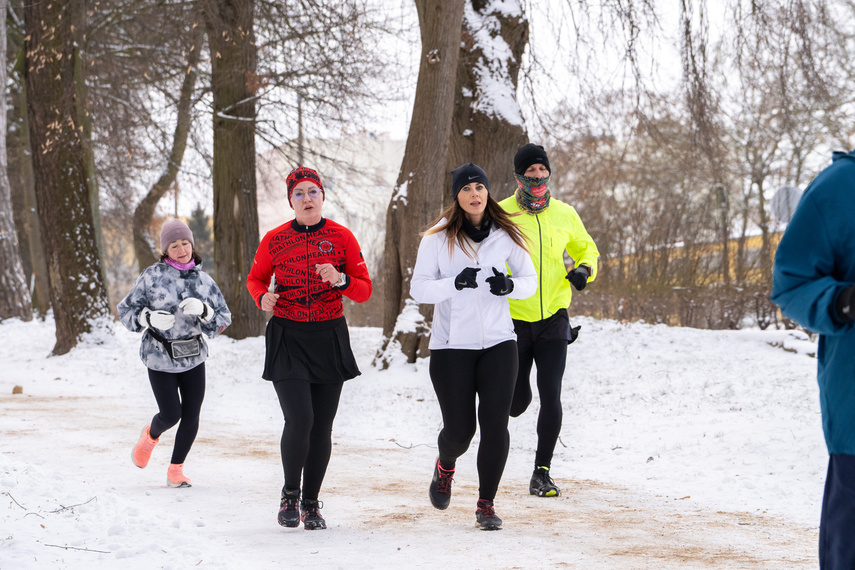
column 191, row 273
column 297, row 227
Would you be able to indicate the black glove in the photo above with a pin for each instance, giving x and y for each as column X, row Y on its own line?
column 845, row 306
column 466, row 278
column 500, row 284
column 579, row 276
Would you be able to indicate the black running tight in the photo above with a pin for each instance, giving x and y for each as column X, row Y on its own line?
column 458, row 376
column 179, row 397
column 551, row 358
column 306, row 444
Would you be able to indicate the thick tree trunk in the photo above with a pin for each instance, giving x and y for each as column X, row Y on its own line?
column 77, row 290
column 84, row 121
column 32, row 226
column 144, row 243
column 22, row 184
column 424, row 179
column 15, row 298
column 488, row 126
column 233, row 81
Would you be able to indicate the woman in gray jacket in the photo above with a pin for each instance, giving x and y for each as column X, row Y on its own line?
column 174, row 303
column 461, row 269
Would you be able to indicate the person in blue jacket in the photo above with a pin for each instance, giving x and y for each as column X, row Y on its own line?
column 814, row 284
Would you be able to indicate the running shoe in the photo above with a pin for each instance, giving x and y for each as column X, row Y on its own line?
column 142, row 450
column 440, row 486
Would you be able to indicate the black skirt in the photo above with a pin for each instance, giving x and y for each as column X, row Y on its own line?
column 317, row 352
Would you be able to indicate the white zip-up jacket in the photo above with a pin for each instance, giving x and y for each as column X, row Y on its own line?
column 470, row 318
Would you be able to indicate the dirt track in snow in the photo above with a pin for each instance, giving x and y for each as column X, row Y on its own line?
column 376, row 501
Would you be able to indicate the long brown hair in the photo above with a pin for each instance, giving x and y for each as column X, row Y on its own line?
column 453, row 226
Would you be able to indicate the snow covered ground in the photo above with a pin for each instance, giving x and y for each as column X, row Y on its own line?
column 681, row 448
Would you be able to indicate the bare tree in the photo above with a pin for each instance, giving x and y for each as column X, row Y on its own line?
column 78, row 293
column 20, row 168
column 144, row 212
column 488, row 125
column 15, row 300
column 234, row 83
column 423, row 177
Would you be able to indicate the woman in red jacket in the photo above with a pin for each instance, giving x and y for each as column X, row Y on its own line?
column 314, row 261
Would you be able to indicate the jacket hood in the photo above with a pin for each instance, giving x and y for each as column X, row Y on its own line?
column 838, row 154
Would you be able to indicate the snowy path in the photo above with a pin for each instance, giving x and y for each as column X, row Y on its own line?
column 72, row 499
column 376, row 505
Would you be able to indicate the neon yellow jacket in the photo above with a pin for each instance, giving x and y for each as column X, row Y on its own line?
column 549, row 234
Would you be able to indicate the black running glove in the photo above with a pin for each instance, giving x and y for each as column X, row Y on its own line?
column 466, row 279
column 500, row 284
column 578, row 277
column 845, row 305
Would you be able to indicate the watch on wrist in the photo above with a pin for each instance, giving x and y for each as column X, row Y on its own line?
column 341, row 280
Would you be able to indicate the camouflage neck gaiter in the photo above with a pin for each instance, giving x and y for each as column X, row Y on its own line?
column 532, row 193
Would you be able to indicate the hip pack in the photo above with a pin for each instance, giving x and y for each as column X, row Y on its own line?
column 179, row 348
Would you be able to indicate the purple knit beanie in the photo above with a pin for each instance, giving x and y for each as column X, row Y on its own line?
column 174, row 230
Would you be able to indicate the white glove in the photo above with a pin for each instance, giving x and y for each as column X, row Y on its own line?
column 193, row 306
column 162, row 320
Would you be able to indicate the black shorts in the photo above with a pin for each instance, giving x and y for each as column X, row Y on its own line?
column 556, row 327
column 318, row 352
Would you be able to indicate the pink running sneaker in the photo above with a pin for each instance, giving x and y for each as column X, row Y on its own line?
column 142, row 450
column 175, row 476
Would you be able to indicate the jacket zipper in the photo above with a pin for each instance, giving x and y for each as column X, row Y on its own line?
column 478, row 299
column 540, row 265
column 308, row 306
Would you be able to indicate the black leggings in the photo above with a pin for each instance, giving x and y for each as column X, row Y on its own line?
column 458, row 376
column 306, row 444
column 551, row 358
column 179, row 397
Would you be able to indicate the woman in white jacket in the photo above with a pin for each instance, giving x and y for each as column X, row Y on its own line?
column 461, row 268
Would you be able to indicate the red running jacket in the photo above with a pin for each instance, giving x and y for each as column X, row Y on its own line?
column 291, row 252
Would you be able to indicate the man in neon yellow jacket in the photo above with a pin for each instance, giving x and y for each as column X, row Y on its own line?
column 541, row 321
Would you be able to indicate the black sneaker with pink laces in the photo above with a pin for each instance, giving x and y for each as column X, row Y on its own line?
column 440, row 486
column 310, row 513
column 289, row 512
column 486, row 516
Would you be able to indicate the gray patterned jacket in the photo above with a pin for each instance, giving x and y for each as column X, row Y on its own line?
column 163, row 287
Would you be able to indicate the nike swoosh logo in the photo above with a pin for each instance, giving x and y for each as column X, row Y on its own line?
column 473, row 177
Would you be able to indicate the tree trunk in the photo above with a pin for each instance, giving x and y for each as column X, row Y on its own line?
column 23, row 187
column 15, row 300
column 144, row 243
column 234, row 82
column 77, row 291
column 488, row 126
column 84, row 121
column 424, row 179
column 724, row 227
column 763, row 221
column 31, row 223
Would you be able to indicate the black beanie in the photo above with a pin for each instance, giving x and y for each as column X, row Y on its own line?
column 466, row 174
column 529, row 154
